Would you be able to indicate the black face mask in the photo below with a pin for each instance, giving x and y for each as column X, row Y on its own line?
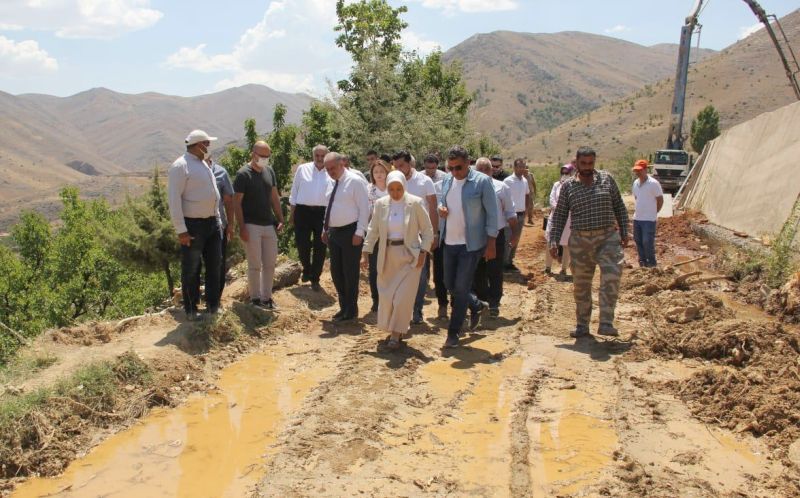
column 586, row 173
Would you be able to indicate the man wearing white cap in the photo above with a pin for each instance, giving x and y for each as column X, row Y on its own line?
column 193, row 208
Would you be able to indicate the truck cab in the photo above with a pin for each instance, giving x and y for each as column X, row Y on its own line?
column 670, row 168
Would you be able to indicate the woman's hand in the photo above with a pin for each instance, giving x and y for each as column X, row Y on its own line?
column 364, row 260
column 421, row 259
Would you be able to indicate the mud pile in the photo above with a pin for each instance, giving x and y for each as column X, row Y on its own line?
column 753, row 383
column 677, row 231
column 785, row 302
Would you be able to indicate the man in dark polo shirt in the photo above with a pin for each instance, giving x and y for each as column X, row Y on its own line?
column 259, row 215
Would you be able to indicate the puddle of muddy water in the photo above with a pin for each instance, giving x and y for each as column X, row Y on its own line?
column 211, row 446
column 573, row 448
column 474, row 434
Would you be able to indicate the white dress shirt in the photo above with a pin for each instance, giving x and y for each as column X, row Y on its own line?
column 505, row 204
column 192, row 190
column 519, row 189
column 310, row 186
column 456, row 233
column 351, row 203
column 359, row 174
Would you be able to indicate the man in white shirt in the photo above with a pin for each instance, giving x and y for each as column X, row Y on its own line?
column 489, row 274
column 194, row 210
column 520, row 194
column 308, row 200
column 420, row 185
column 649, row 199
column 348, row 167
column 469, row 210
column 346, row 221
column 431, row 167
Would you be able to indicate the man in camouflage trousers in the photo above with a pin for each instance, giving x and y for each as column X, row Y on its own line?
column 599, row 232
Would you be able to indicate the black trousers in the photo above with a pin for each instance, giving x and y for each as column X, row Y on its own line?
column 438, row 277
column 206, row 246
column 223, row 265
column 345, row 270
column 373, row 275
column 308, row 223
column 488, row 285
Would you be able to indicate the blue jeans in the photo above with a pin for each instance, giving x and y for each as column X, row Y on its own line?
column 206, row 246
column 423, row 286
column 644, row 234
column 459, row 272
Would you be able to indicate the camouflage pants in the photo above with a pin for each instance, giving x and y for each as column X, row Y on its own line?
column 603, row 250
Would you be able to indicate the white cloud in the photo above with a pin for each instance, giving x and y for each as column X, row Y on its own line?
column 619, row 28
column 469, row 6
column 290, row 49
column 413, row 41
column 11, row 27
column 100, row 19
column 745, row 31
column 24, row 58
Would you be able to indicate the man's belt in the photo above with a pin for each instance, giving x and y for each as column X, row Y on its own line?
column 594, row 233
column 345, row 227
column 396, row 242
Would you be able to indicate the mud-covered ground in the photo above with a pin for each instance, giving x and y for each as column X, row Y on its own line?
column 699, row 396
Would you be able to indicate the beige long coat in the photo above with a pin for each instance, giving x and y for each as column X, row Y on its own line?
column 417, row 223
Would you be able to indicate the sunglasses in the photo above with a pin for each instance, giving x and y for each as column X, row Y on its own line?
column 455, row 168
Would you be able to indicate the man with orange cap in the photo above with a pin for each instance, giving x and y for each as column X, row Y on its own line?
column 649, row 199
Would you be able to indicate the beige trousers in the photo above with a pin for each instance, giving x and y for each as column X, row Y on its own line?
column 398, row 282
column 262, row 255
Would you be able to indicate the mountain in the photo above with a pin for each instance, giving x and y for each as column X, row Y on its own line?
column 741, row 82
column 48, row 141
column 526, row 83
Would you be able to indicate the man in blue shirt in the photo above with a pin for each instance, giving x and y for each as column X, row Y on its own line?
column 469, row 227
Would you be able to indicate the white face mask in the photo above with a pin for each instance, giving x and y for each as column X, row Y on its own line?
column 564, row 178
column 263, row 162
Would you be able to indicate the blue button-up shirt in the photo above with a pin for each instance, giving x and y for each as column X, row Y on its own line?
column 479, row 203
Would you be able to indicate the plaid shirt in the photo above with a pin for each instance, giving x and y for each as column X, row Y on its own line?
column 593, row 208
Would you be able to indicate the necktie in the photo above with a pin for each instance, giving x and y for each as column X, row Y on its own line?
column 330, row 205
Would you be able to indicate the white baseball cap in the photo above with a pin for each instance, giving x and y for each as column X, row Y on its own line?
column 198, row 136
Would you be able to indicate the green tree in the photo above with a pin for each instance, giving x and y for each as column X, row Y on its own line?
column 283, row 142
column 235, row 157
column 704, row 128
column 319, row 128
column 369, row 24
column 143, row 235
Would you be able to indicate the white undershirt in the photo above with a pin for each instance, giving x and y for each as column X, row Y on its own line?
column 396, row 221
column 456, row 227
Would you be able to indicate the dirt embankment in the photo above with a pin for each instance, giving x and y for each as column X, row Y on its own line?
column 695, row 398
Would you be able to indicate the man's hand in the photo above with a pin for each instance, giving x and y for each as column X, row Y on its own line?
column 491, row 251
column 443, row 212
column 324, row 237
column 243, row 234
column 279, row 228
column 435, row 243
column 357, row 240
column 229, row 232
column 625, row 241
column 185, row 239
column 554, row 251
column 421, row 259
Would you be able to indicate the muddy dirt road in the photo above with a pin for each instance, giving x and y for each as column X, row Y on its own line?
column 520, row 410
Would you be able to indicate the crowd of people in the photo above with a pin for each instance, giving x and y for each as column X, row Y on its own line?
column 462, row 223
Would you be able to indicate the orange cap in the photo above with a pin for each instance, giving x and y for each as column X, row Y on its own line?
column 640, row 165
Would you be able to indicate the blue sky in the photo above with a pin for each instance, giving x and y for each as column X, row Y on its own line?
column 62, row 47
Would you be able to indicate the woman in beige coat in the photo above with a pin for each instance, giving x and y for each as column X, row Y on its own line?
column 401, row 230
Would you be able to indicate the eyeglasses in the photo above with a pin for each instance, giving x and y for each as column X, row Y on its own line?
column 455, row 168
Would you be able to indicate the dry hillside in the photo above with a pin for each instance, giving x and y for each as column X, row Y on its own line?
column 526, row 83
column 742, row 81
column 48, row 142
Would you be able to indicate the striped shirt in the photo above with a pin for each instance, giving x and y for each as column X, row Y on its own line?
column 594, row 207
